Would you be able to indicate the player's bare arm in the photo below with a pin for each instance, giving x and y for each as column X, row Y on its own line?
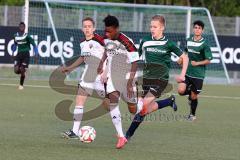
column 100, row 66
column 184, row 62
column 130, row 80
column 72, row 66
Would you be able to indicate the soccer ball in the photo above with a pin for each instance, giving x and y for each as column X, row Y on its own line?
column 87, row 134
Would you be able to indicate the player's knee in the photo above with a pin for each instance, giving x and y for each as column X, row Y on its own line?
column 181, row 88
column 132, row 108
column 22, row 69
column 16, row 70
column 106, row 104
column 181, row 91
column 144, row 110
column 114, row 97
column 194, row 96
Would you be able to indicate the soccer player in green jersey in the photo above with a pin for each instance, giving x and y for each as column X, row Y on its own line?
column 157, row 50
column 22, row 41
column 200, row 55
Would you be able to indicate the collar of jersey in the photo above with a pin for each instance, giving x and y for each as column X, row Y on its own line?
column 163, row 38
column 88, row 39
column 21, row 35
column 198, row 40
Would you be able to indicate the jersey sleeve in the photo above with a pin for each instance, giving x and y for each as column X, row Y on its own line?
column 173, row 47
column 31, row 41
column 207, row 52
column 132, row 52
column 99, row 45
column 99, row 39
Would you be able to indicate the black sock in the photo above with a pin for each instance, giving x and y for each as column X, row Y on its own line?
column 194, row 104
column 138, row 119
column 22, row 79
column 164, row 103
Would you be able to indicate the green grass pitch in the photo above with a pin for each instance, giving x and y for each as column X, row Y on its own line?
column 31, row 130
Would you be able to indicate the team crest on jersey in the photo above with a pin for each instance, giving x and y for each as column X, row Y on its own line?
column 90, row 45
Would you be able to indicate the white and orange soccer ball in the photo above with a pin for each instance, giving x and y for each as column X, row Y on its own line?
column 87, row 134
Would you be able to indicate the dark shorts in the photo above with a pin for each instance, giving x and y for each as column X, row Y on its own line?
column 194, row 84
column 155, row 86
column 22, row 59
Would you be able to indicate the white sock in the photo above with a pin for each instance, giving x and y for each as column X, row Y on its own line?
column 116, row 118
column 77, row 117
column 139, row 106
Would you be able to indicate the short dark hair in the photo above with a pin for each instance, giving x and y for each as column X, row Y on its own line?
column 111, row 21
column 89, row 19
column 199, row 23
column 21, row 23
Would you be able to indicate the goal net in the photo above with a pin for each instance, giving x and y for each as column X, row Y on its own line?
column 56, row 28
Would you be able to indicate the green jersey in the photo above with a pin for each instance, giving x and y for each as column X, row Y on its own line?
column 157, row 56
column 197, row 51
column 23, row 42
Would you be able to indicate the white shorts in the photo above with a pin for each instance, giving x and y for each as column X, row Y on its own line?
column 96, row 86
column 122, row 88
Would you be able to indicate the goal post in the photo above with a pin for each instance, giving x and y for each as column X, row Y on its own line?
column 57, row 23
column 26, row 14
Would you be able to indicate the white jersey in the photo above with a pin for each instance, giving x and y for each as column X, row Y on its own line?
column 121, row 53
column 93, row 47
column 124, row 50
column 92, row 51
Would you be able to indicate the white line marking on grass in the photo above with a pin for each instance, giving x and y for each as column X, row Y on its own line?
column 216, row 97
column 40, row 86
column 220, row 97
column 33, row 86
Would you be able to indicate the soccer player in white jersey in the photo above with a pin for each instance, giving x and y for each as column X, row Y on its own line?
column 92, row 47
column 118, row 46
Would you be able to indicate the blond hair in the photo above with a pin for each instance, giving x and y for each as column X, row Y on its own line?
column 159, row 18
